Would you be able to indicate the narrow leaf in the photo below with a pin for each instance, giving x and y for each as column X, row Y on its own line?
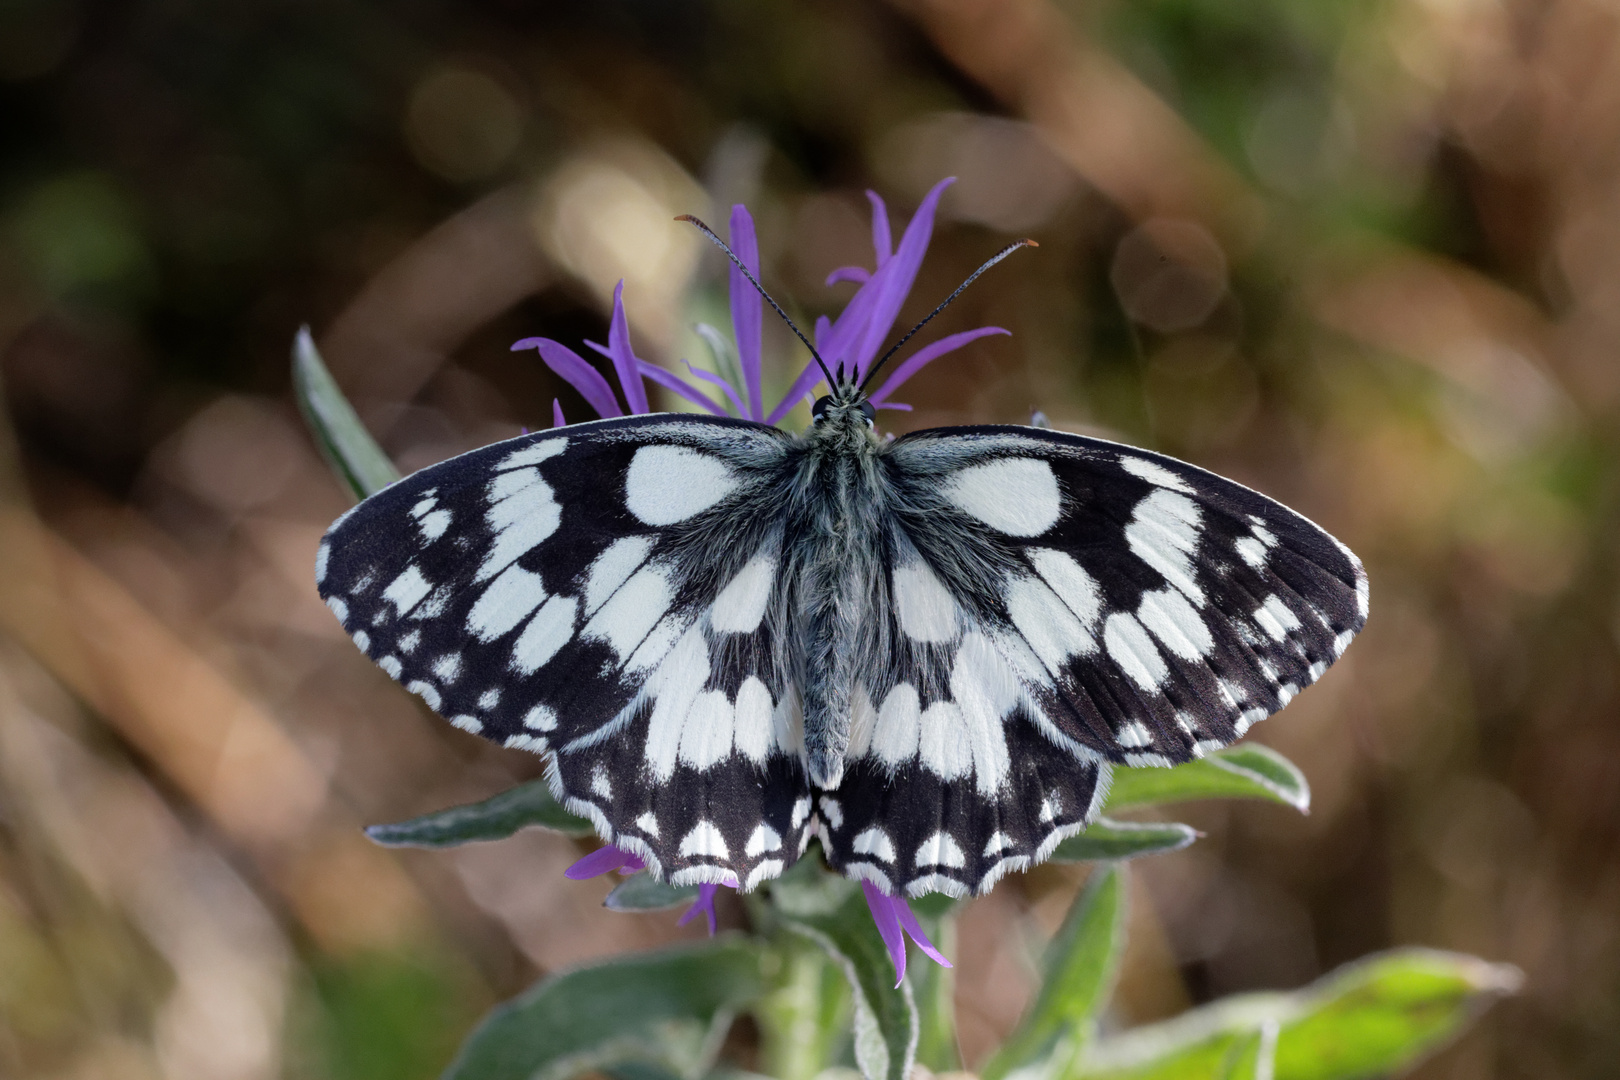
column 1249, row 771
column 1378, row 1016
column 666, row 1009
column 348, row 448
column 935, row 987
column 643, row 892
column 1105, row 839
column 495, row 818
column 832, row 912
column 1080, row 968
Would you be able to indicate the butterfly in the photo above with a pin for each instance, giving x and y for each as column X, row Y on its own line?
column 928, row 652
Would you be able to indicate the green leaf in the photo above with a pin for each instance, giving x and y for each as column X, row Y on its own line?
column 493, row 819
column 1377, row 1016
column 1250, row 771
column 1080, row 967
column 348, row 448
column 643, row 892
column 831, row 911
column 1105, row 839
column 667, row 1010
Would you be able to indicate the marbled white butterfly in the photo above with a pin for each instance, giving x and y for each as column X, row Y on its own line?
column 928, row 652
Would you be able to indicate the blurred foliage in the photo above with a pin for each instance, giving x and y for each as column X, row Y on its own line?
column 1360, row 256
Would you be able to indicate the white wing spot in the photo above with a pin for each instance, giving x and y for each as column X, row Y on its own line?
column 447, row 667
column 1276, row 618
column 633, row 610
column 706, row 731
column 540, row 718
column 551, row 628
column 985, row 689
column 506, row 602
column 940, row 850
column 1049, row 627
column 648, row 824
column 1175, row 622
column 999, row 841
column 763, row 839
column 323, row 556
column 523, row 512
column 1163, row 532
column 427, row 692
column 673, row 685
column 801, row 810
column 765, row 871
column 895, row 737
column 667, row 484
column 1154, row 473
column 832, row 812
column 434, row 525
column 362, row 641
column 1016, row 496
column 1133, row 735
column 339, row 608
column 704, row 841
column 468, row 723
column 613, row 567
column 875, row 842
column 753, row 720
column 1130, row 647
column 391, row 665
column 489, row 699
column 407, row 590
column 924, row 606
column 543, row 450
column 1077, row 589
column 741, row 604
column 407, row 643
column 945, row 747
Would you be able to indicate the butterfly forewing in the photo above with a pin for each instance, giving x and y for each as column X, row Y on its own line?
column 599, row 594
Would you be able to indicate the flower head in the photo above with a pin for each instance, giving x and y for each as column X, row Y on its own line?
column 850, row 342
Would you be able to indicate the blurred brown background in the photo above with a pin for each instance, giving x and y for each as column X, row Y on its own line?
column 1362, row 256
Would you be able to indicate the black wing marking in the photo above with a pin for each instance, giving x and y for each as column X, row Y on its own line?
column 596, row 594
column 1059, row 604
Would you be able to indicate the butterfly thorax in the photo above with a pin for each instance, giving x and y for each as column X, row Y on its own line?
column 835, row 548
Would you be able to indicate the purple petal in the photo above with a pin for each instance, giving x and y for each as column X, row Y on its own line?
column 747, row 310
column 895, row 405
column 556, row 414
column 601, row 861
column 623, row 357
column 715, row 380
column 704, row 903
column 888, row 926
column 908, row 922
column 808, row 378
column 681, row 387
column 898, row 275
column 881, row 243
column 927, row 354
column 860, row 275
column 576, row 373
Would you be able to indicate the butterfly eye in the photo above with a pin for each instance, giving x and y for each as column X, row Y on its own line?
column 819, row 409
column 868, row 411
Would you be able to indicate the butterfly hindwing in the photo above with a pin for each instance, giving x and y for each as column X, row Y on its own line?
column 599, row 592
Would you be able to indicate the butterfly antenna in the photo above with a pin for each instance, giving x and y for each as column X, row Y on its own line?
column 997, row 257
column 732, row 255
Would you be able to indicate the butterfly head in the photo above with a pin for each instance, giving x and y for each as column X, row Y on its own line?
column 847, row 406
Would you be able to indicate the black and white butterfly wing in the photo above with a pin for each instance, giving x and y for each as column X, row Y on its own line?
column 600, row 592
column 1060, row 605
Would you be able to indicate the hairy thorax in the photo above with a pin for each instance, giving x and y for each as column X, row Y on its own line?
column 835, row 554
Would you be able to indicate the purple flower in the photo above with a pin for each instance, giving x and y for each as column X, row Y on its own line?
column 852, row 340
column 893, row 915
column 605, row 860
